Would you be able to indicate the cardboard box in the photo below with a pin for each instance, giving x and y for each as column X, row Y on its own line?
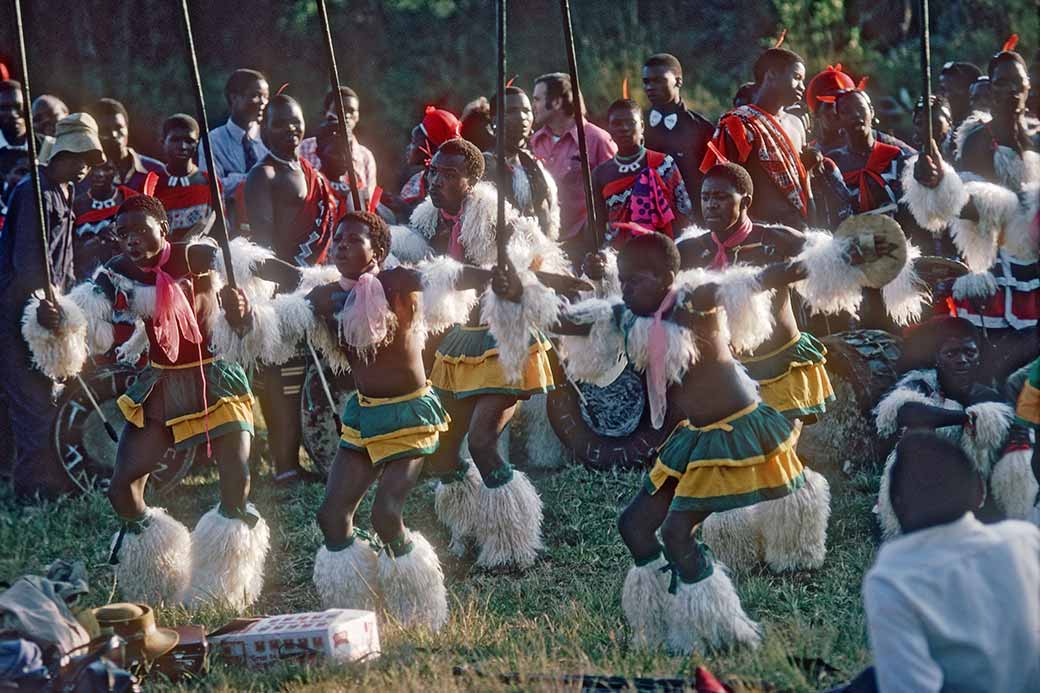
column 343, row 635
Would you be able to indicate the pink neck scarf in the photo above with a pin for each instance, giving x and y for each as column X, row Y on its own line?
column 738, row 236
column 174, row 317
column 656, row 358
column 365, row 320
column 455, row 249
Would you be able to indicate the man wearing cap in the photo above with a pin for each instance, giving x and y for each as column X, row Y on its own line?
column 26, row 391
column 437, row 127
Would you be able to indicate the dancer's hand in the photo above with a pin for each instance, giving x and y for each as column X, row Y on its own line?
column 505, row 282
column 236, row 306
column 50, row 315
column 928, row 169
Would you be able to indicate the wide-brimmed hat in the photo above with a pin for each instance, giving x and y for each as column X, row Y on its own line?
column 868, row 229
column 135, row 623
column 78, row 134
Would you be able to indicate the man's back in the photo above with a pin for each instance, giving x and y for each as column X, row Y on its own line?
column 957, row 608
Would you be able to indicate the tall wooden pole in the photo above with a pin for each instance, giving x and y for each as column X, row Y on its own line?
column 330, row 52
column 504, row 178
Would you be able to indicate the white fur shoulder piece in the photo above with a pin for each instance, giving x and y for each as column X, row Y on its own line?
column 315, row 276
column 978, row 241
column 681, row 352
column 905, row 296
column 62, row 354
column 934, row 208
column 690, row 232
column 886, row 412
column 831, row 284
column 424, row 219
column 749, row 314
column 443, row 304
column 260, row 342
column 245, row 258
column 328, row 344
column 408, row 244
column 588, row 358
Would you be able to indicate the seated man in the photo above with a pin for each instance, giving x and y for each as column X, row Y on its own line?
column 953, row 605
column 943, row 390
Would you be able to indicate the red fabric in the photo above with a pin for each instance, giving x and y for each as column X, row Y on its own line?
column 174, row 319
column 705, row 682
column 828, row 82
column 739, row 235
column 776, row 154
column 306, row 241
column 455, row 249
column 656, row 213
column 93, row 216
column 440, row 126
column 881, row 156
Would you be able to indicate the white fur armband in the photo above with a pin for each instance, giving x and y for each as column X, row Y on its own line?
column 97, row 310
column 590, row 357
column 511, row 323
column 313, row 277
column 934, row 208
column 831, row 284
column 749, row 314
column 977, row 285
column 260, row 342
column 886, row 413
column 443, row 304
column 979, row 241
column 905, row 295
column 984, row 438
column 62, row 353
column 245, row 258
column 408, row 245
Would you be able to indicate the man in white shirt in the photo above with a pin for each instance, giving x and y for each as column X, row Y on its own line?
column 952, row 604
column 236, row 143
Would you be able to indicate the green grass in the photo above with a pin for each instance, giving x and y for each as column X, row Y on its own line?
column 563, row 616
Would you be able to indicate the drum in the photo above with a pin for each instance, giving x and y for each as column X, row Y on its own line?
column 938, row 274
column 319, row 420
column 86, row 451
column 607, row 427
column 861, row 366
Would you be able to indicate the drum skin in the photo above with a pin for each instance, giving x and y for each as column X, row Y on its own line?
column 86, row 452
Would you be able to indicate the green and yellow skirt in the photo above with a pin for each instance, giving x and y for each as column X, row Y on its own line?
column 466, row 365
column 793, row 379
column 1028, row 408
column 394, row 428
column 746, row 458
column 173, row 395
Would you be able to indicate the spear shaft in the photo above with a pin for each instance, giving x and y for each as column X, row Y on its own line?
column 504, row 179
column 330, row 52
column 926, row 68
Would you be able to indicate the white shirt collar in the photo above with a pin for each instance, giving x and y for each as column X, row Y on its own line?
column 235, row 131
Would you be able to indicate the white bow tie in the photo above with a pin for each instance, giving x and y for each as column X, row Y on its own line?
column 174, row 181
column 670, row 120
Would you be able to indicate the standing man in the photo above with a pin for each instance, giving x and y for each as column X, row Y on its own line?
column 533, row 192
column 955, row 82
column 47, row 110
column 184, row 187
column 135, row 171
column 673, row 129
column 768, row 141
column 12, row 116
column 291, row 210
column 556, row 145
column 364, row 161
column 27, row 391
column 236, row 144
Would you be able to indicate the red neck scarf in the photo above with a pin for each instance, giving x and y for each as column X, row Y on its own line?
column 881, row 156
column 455, row 249
column 739, row 235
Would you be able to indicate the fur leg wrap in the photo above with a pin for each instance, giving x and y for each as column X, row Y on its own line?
column 227, row 560
column 544, row 449
column 154, row 565
column 934, row 208
column 1014, row 485
column 985, row 436
column 707, row 615
column 412, row 585
column 511, row 323
column 644, row 599
column 886, row 515
column 61, row 354
column 510, row 530
column 831, row 284
column 794, row 528
column 457, row 505
column 734, row 537
column 346, row 579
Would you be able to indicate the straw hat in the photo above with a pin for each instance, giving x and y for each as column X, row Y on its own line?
column 135, row 623
column 78, row 134
column 867, row 229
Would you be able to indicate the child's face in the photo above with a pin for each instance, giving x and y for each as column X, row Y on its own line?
column 642, row 287
column 352, row 250
column 141, row 237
